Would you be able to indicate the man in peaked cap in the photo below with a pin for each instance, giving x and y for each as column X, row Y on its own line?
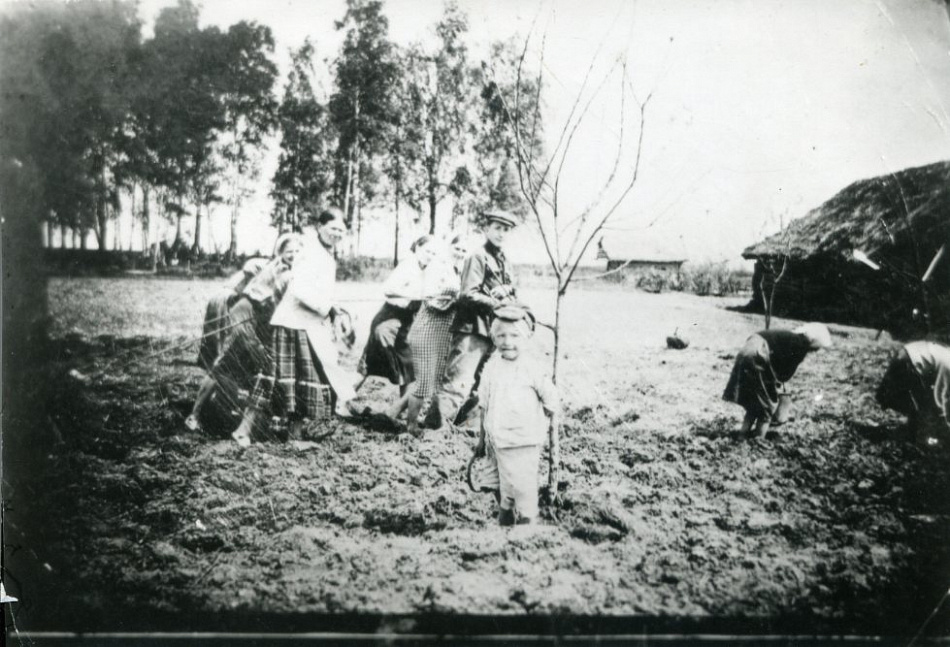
column 485, row 285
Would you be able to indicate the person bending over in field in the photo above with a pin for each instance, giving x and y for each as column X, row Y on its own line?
column 517, row 396
column 245, row 351
column 917, row 384
column 768, row 359
column 485, row 284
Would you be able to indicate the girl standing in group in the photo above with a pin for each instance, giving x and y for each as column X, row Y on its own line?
column 387, row 353
column 304, row 357
column 245, row 351
column 431, row 335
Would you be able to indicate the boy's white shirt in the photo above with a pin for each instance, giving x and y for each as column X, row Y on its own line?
column 514, row 395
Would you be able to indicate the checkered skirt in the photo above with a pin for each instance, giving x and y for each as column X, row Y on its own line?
column 430, row 338
column 216, row 327
column 294, row 384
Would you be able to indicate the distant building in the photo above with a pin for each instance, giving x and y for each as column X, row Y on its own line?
column 638, row 255
column 861, row 256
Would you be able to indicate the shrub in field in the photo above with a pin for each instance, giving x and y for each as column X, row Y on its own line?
column 656, row 281
column 714, row 279
column 363, row 268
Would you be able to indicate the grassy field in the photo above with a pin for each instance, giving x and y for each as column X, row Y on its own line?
column 836, row 524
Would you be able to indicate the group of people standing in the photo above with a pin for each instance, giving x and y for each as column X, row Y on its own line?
column 275, row 332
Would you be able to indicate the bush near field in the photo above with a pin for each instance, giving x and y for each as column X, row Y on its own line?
column 92, row 262
column 714, row 279
column 704, row 279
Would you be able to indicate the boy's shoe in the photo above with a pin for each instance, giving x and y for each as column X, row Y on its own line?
column 506, row 517
column 192, row 424
column 242, row 439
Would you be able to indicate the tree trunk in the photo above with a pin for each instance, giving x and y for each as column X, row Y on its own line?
column 131, row 238
column 177, row 242
column 554, row 431
column 146, row 221
column 396, row 234
column 116, row 242
column 196, row 243
column 232, row 247
column 433, row 203
column 83, row 235
column 100, row 227
column 50, row 231
column 357, row 208
column 353, row 160
column 62, row 236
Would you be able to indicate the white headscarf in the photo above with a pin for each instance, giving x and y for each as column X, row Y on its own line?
column 817, row 335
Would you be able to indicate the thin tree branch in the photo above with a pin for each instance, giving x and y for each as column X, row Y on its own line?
column 580, row 120
column 525, row 165
column 613, row 172
column 633, row 180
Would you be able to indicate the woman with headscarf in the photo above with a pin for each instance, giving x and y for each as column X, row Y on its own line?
column 387, row 352
column 304, row 362
column 431, row 334
column 768, row 359
column 245, row 351
column 917, row 384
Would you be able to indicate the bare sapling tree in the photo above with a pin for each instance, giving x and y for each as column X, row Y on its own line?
column 774, row 268
column 567, row 233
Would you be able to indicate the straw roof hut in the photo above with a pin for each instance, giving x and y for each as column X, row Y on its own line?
column 860, row 256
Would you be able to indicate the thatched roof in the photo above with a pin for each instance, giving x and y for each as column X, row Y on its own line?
column 908, row 208
column 628, row 246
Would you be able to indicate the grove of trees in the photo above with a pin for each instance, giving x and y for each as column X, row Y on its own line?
column 174, row 127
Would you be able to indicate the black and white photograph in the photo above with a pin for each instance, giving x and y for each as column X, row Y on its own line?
column 475, row 322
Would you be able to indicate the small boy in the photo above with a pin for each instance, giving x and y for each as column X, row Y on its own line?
column 517, row 396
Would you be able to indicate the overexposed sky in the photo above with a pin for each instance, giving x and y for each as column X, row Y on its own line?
column 760, row 109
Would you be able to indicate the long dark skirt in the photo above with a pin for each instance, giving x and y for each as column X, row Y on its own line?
column 752, row 384
column 246, row 352
column 392, row 363
column 901, row 388
column 294, row 384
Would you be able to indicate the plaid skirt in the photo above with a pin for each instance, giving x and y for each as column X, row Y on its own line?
column 294, row 384
column 246, row 351
column 214, row 331
column 430, row 339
